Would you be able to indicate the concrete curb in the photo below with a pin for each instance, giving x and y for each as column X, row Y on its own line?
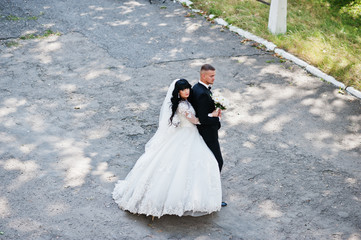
column 272, row 47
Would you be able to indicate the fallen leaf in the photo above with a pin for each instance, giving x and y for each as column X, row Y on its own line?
column 189, row 15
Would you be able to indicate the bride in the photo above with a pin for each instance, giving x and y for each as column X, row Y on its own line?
column 177, row 174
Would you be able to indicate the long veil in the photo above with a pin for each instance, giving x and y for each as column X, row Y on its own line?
column 165, row 130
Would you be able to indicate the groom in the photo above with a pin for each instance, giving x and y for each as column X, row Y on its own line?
column 207, row 113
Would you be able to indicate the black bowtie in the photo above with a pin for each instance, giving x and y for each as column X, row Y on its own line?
column 209, row 87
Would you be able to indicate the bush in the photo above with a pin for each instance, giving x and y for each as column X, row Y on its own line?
column 353, row 10
column 348, row 8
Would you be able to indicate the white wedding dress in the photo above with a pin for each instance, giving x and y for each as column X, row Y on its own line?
column 177, row 174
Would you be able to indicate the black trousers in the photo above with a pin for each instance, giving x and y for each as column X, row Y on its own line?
column 210, row 136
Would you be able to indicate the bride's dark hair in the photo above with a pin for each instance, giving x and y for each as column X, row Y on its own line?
column 181, row 84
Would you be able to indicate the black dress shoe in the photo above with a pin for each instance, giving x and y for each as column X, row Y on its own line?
column 224, row 204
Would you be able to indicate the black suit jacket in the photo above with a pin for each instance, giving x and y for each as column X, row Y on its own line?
column 203, row 105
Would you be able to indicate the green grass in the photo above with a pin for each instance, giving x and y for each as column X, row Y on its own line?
column 16, row 18
column 32, row 18
column 47, row 33
column 50, row 32
column 29, row 36
column 323, row 35
column 12, row 44
column 13, row 18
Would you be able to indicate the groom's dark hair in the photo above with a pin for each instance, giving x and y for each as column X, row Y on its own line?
column 207, row 67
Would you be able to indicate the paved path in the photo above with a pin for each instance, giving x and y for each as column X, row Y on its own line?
column 77, row 109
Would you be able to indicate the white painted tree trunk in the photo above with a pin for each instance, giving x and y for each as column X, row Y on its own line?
column 277, row 22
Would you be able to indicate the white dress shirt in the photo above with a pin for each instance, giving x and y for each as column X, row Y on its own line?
column 207, row 86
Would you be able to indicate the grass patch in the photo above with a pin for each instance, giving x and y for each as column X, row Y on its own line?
column 16, row 18
column 47, row 33
column 32, row 18
column 326, row 36
column 29, row 36
column 11, row 44
column 13, row 18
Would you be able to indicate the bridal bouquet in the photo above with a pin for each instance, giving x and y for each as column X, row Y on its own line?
column 220, row 102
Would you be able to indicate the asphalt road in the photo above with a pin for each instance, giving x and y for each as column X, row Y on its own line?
column 77, row 107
